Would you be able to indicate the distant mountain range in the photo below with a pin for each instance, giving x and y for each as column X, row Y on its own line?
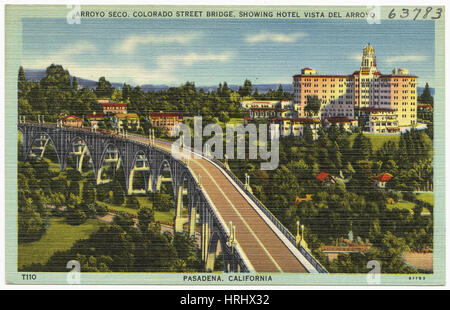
column 37, row 75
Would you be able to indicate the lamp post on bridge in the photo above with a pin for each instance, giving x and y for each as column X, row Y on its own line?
column 303, row 228
column 226, row 162
column 151, row 136
column 150, row 139
column 247, row 183
column 300, row 238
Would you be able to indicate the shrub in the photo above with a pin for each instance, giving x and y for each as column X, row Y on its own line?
column 75, row 215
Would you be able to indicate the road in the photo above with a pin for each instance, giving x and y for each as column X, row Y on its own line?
column 263, row 247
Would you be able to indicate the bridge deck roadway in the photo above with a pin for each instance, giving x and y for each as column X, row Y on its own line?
column 263, row 248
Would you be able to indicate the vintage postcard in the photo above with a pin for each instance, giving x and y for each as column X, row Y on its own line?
column 225, row 145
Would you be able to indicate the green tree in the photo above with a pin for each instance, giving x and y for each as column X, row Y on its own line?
column 145, row 217
column 132, row 202
column 313, row 105
column 224, row 117
column 362, row 147
column 246, row 89
column 426, row 97
column 75, row 83
column 104, row 88
column 88, row 193
column 56, row 77
column 118, row 197
column 308, row 134
column 21, row 82
column 30, row 223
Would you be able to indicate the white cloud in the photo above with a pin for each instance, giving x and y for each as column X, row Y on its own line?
column 355, row 57
column 58, row 57
column 129, row 72
column 193, row 58
column 275, row 37
column 407, row 58
column 129, row 45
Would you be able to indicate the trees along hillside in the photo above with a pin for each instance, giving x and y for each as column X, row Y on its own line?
column 351, row 202
column 58, row 94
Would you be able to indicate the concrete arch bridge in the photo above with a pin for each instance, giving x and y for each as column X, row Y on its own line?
column 207, row 197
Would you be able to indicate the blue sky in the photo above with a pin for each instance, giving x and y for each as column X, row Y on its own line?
column 207, row 52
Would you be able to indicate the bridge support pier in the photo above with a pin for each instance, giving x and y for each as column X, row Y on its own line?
column 159, row 180
column 80, row 156
column 130, row 182
column 43, row 141
column 192, row 219
column 179, row 219
column 213, row 232
column 205, row 240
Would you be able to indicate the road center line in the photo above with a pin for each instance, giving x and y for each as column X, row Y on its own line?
column 241, row 217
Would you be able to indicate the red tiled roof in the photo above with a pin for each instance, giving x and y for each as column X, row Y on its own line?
column 70, row 116
column 401, row 76
column 322, row 176
column 384, row 177
column 428, row 106
column 165, row 114
column 97, row 115
column 324, row 75
column 356, row 73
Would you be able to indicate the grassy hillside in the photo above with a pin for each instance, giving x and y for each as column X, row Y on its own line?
column 60, row 236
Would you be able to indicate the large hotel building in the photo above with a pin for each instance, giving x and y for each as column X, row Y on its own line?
column 385, row 102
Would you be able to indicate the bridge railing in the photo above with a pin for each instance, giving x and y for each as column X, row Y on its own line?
column 308, row 256
column 313, row 261
column 241, row 262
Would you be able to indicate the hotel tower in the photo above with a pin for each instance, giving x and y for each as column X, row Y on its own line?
column 384, row 102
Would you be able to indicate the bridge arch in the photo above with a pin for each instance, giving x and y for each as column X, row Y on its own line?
column 184, row 201
column 140, row 163
column 208, row 206
column 197, row 203
column 216, row 247
column 163, row 167
column 82, row 150
column 27, row 147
